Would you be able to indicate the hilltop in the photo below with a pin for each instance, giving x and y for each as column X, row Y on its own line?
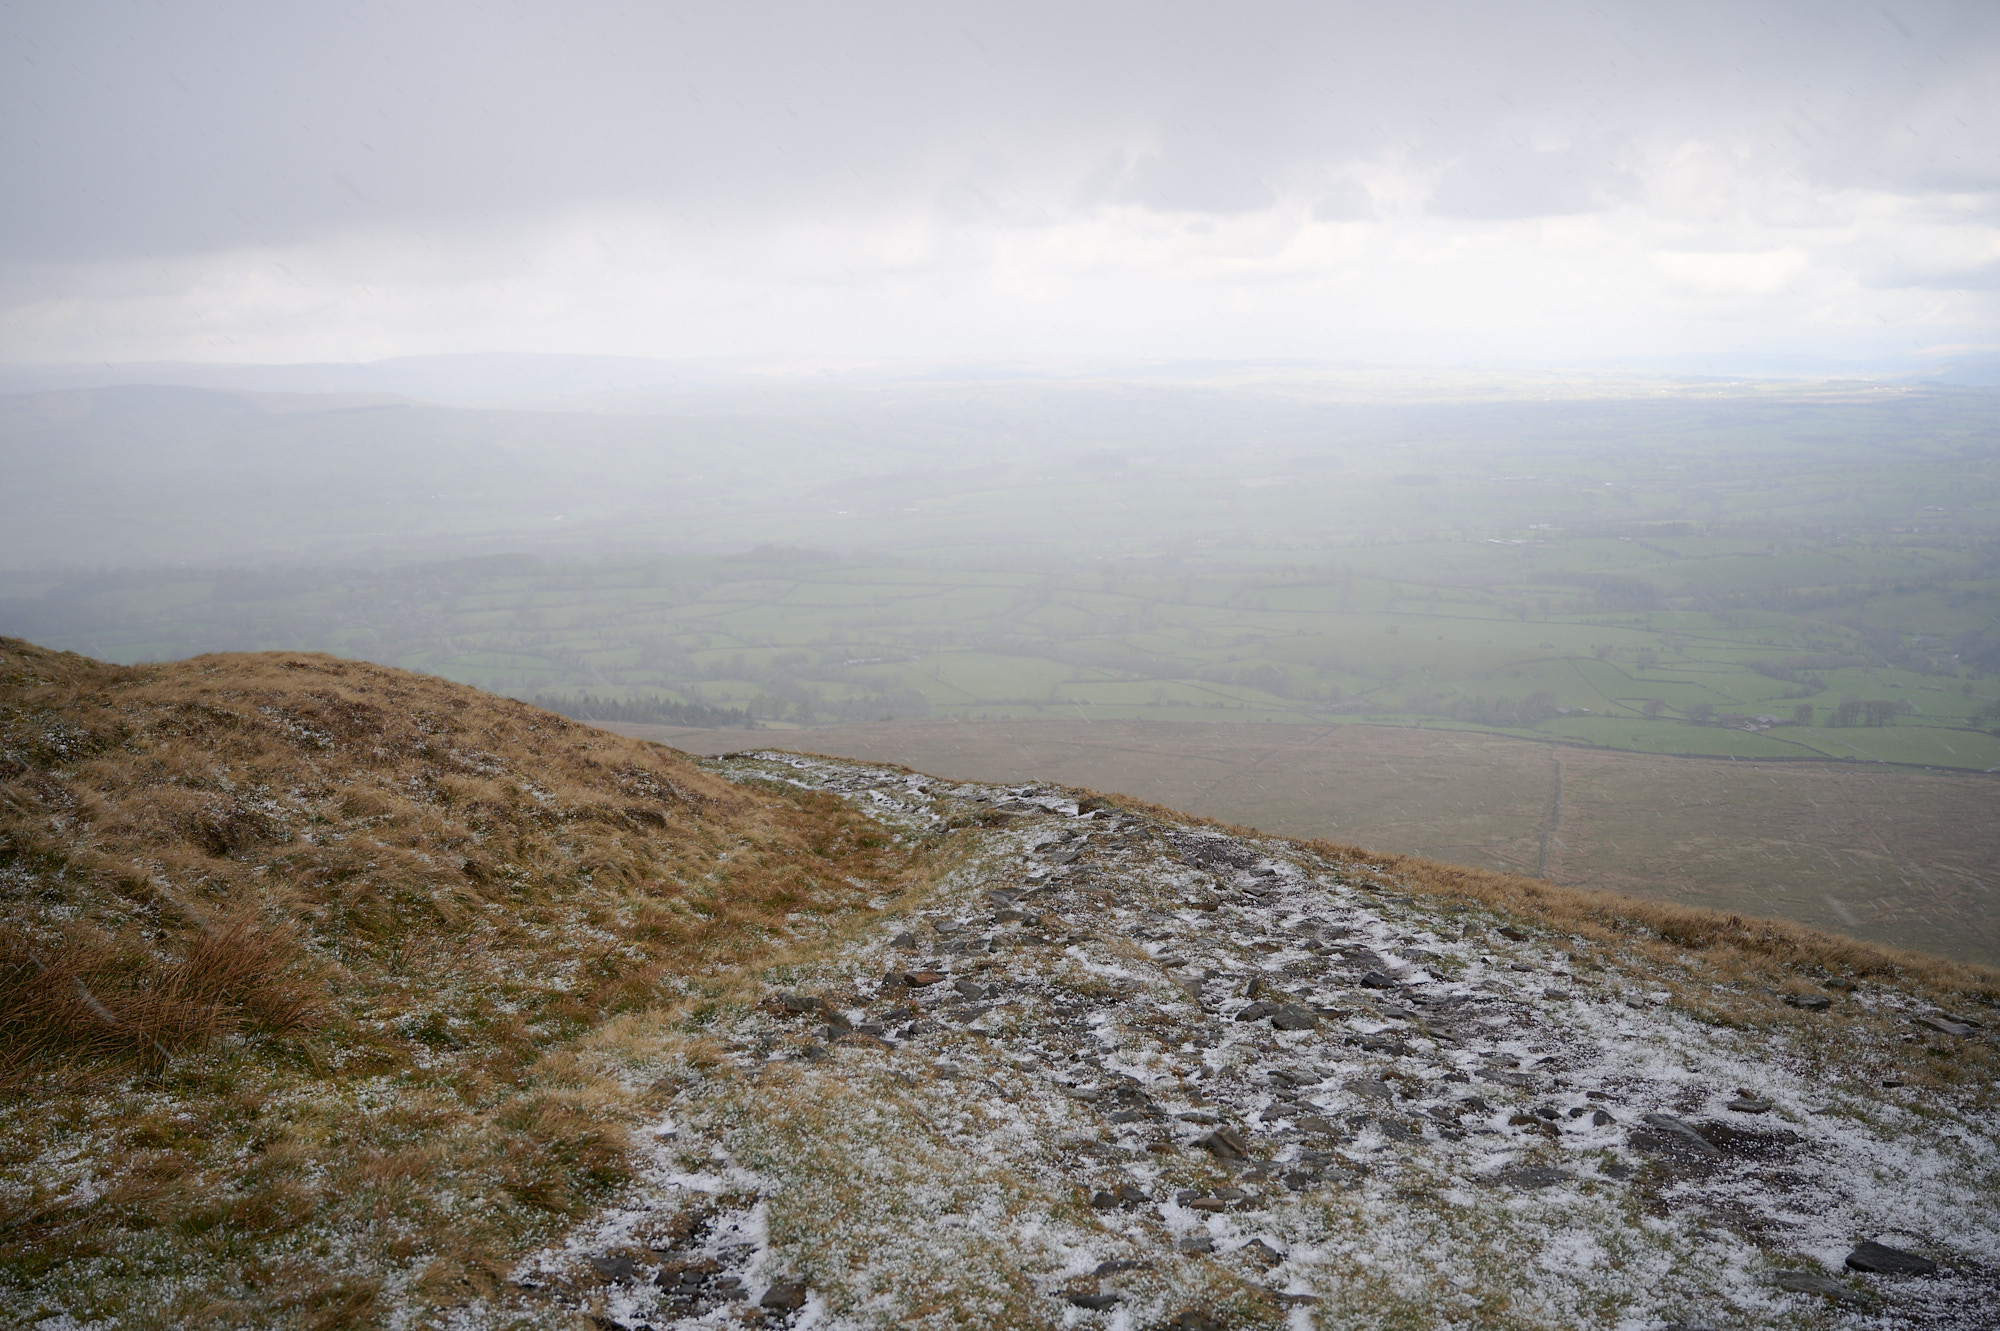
column 335, row 995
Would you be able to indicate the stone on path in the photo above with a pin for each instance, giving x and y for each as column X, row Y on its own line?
column 1261, row 1254
column 1805, row 1282
column 1225, row 1144
column 1944, row 1027
column 1292, row 1017
column 1881, row 1258
column 1672, row 1134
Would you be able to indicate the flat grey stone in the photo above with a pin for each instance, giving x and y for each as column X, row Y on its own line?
column 1261, row 1254
column 1502, row 1077
column 1805, row 1282
column 1225, row 1144
column 619, row 1269
column 1880, row 1257
column 1292, row 1017
column 1675, row 1134
column 1944, row 1026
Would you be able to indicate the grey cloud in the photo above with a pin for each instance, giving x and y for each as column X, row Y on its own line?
column 1511, row 181
column 135, row 129
column 1343, row 201
column 1181, row 179
column 1936, row 277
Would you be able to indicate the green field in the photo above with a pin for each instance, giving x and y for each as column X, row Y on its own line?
column 1738, row 571
column 823, row 643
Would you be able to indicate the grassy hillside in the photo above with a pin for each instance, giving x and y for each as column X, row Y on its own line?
column 293, row 950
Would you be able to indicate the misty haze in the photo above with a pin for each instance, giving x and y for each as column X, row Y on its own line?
column 965, row 665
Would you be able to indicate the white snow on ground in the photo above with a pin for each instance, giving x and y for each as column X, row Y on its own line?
column 1456, row 1130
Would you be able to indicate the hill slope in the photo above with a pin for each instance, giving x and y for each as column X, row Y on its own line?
column 292, row 952
column 373, row 1000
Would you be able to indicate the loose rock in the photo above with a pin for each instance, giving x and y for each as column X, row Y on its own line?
column 1944, row 1026
column 1292, row 1017
column 1261, row 1254
column 1881, row 1258
column 1670, row 1133
column 1805, row 1282
column 1225, row 1144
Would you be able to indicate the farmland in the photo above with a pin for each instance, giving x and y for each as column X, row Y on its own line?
column 1672, row 646
column 1740, row 571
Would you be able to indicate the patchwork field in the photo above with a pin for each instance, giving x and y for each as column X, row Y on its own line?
column 1906, row 858
column 1729, row 573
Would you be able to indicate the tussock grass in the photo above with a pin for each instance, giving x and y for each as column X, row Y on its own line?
column 98, row 999
column 294, row 957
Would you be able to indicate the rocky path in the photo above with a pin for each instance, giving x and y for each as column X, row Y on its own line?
column 1117, row 1071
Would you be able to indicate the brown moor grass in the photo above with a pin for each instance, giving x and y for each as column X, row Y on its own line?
column 291, row 954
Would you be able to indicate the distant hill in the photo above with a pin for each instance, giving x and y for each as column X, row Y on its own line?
column 333, row 995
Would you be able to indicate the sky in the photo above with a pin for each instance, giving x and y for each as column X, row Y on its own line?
column 1465, row 183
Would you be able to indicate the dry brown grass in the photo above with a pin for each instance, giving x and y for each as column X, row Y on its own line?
column 94, row 999
column 341, row 922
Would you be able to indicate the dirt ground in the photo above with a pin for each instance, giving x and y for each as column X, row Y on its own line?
column 1908, row 858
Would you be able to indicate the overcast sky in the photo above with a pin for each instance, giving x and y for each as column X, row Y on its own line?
column 1478, row 182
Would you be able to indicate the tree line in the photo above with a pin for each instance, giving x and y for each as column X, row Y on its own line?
column 646, row 711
